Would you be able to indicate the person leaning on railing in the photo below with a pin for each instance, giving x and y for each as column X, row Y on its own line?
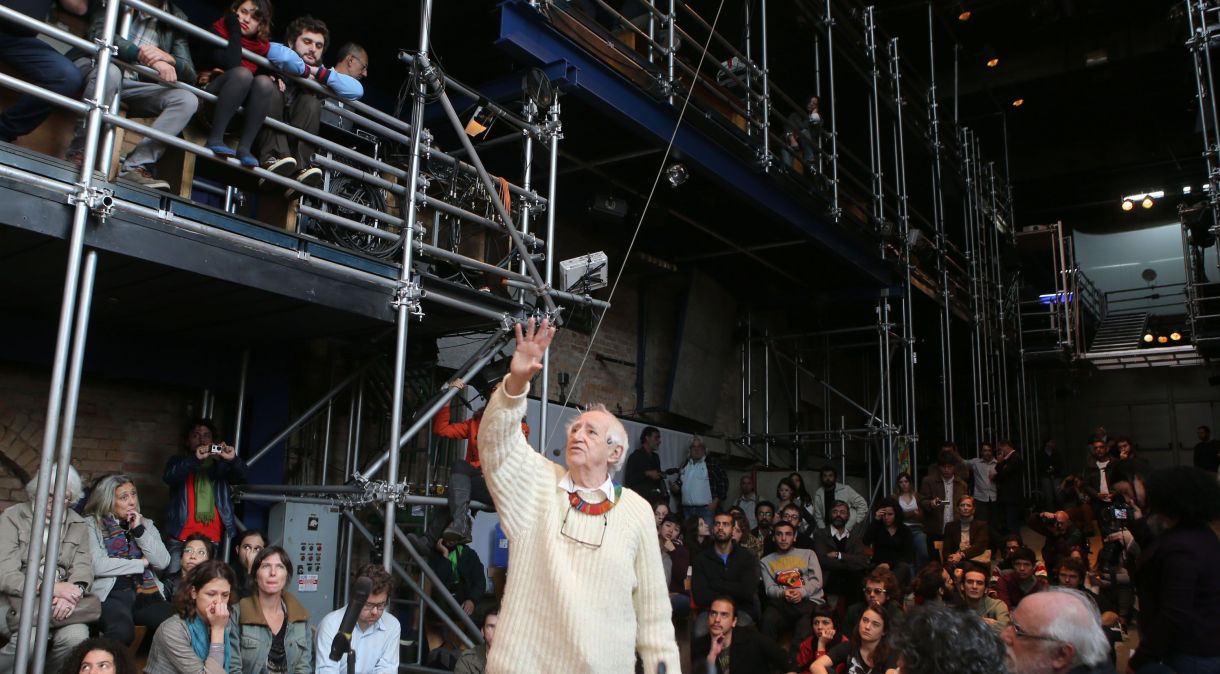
column 37, row 63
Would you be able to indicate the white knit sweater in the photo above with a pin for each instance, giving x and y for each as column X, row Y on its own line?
column 569, row 607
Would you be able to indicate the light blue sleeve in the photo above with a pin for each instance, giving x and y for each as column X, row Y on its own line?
column 387, row 662
column 285, row 59
column 327, row 629
column 344, row 86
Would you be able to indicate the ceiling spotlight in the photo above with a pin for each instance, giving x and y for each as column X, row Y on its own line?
column 677, row 174
column 993, row 62
column 963, row 12
column 1148, row 338
column 1128, row 204
column 1018, row 102
column 1175, row 336
column 1162, row 339
column 1147, row 202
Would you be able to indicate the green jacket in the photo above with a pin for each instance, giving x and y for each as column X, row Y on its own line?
column 256, row 636
column 172, row 42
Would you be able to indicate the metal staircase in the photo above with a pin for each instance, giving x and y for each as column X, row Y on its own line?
column 1118, row 346
column 1119, row 332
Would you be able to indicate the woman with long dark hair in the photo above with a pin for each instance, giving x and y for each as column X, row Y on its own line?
column 867, row 651
column 99, row 656
column 200, row 636
column 893, row 546
column 908, row 502
column 696, row 534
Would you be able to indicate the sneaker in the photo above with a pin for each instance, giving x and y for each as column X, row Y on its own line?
column 280, row 166
column 310, row 177
column 140, row 176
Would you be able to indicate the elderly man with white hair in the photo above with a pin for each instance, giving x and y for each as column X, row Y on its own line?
column 1057, row 631
column 587, row 591
column 74, row 567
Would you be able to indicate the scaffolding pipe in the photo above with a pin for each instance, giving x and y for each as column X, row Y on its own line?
column 242, row 380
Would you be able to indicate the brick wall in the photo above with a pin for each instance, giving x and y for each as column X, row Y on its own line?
column 121, row 426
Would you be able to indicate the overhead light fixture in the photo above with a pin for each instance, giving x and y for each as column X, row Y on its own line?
column 1128, row 204
column 1175, row 336
column 993, row 62
column 1148, row 337
column 677, row 174
column 963, row 12
column 1162, row 339
column 1018, row 102
column 1147, row 202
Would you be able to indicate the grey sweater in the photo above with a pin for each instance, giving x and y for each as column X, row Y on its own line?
column 171, row 652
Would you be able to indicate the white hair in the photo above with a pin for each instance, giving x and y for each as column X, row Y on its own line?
column 616, row 434
column 1078, row 623
column 71, row 492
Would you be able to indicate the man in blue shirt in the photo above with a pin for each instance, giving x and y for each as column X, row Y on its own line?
column 375, row 638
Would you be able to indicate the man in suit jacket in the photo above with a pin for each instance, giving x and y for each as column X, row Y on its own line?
column 974, row 544
column 1009, row 486
column 937, row 494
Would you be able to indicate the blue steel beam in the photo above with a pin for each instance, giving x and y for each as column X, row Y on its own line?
column 529, row 37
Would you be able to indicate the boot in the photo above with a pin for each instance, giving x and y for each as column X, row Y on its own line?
column 423, row 543
column 458, row 531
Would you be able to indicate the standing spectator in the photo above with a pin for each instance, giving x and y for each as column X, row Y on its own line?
column 702, row 483
column 195, row 550
column 938, row 640
column 643, row 472
column 960, row 468
column 474, row 661
column 974, row 588
column 1019, row 582
column 660, row 511
column 982, row 470
column 272, row 624
column 200, row 636
column 1176, row 574
column 841, row 553
column 73, row 568
column 36, row 62
column 157, row 45
column 1207, row 451
column 732, row 646
column 1057, row 632
column 1049, row 472
column 804, row 133
column 785, row 492
column 747, row 500
column 937, row 494
column 868, row 650
column 1009, row 483
column 965, row 537
column 724, row 569
column 247, row 546
column 891, row 540
column 825, row 636
column 1061, row 535
column 1099, row 477
column 800, row 492
column 833, row 491
column 792, row 584
column 764, row 515
column 200, row 494
column 375, row 639
column 1130, row 464
column 908, row 500
column 127, row 554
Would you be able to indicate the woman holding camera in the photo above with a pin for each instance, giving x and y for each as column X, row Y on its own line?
column 127, row 554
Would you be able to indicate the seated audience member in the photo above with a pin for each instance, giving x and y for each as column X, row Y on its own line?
column 247, row 546
column 696, row 534
column 1176, row 574
column 660, row 510
column 195, row 550
column 99, row 656
column 841, row 553
column 937, row 495
column 461, row 570
column 74, row 568
column 792, row 514
column 353, row 61
column 1016, row 584
column 677, row 558
column 747, row 499
column 833, row 492
column 882, row 593
column 272, row 624
column 974, row 588
column 965, row 538
column 724, row 569
column 1130, row 464
column 36, row 62
column 301, row 108
column 1009, row 548
column 892, row 543
column 866, row 652
column 375, row 638
column 1060, row 533
column 939, row 640
column 200, row 493
column 825, row 635
column 127, row 554
column 199, row 637
column 165, row 50
column 731, row 647
column 1071, row 574
column 474, row 661
column 764, row 514
column 792, row 584
column 742, row 535
column 1057, row 632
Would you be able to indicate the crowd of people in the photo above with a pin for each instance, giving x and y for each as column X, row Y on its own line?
column 156, row 55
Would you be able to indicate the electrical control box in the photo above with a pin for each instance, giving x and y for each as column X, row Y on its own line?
column 310, row 535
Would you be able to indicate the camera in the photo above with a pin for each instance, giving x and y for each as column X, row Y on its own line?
column 216, row 449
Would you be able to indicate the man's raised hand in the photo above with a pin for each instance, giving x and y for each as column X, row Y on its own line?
column 532, row 343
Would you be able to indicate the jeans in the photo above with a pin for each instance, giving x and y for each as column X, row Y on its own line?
column 38, row 63
column 921, row 546
column 171, row 107
column 124, row 608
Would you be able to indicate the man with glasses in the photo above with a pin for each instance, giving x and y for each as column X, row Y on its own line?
column 588, row 589
column 375, row 639
column 1057, row 632
column 791, row 514
column 881, row 593
column 353, row 61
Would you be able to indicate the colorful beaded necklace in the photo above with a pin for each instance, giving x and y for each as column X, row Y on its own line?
column 599, row 508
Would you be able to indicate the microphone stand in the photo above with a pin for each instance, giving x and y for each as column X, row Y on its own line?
column 351, row 658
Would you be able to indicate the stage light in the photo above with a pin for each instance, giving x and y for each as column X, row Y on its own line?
column 993, row 62
column 1148, row 338
column 677, row 174
column 1147, row 202
column 1162, row 339
column 1018, row 102
column 1175, row 336
column 963, row 12
column 1128, row 204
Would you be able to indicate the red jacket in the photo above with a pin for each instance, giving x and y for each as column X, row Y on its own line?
column 464, row 430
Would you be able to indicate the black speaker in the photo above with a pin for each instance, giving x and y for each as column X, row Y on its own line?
column 609, row 205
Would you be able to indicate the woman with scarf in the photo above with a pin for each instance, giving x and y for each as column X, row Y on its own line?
column 274, row 627
column 127, row 552
column 200, row 499
column 200, row 636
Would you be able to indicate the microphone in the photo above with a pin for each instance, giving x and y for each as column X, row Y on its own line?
column 343, row 640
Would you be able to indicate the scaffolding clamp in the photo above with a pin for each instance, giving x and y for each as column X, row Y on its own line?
column 99, row 201
column 102, row 44
column 408, row 295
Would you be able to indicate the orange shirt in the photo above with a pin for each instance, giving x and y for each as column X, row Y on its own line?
column 464, row 430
